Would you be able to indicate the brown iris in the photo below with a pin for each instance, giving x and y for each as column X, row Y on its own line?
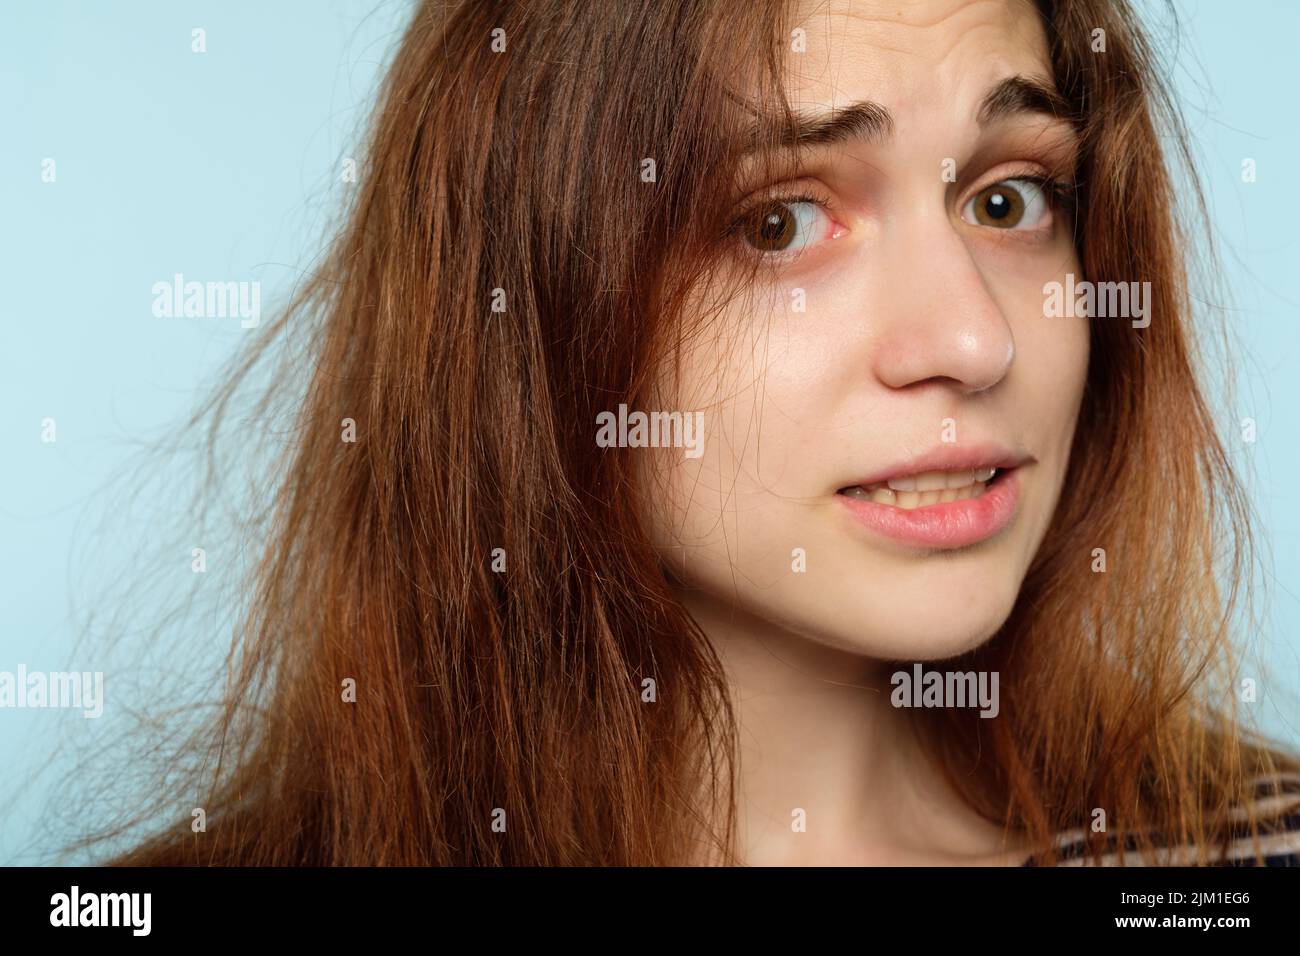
column 999, row 205
column 771, row 227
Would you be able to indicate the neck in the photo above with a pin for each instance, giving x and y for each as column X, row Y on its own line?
column 829, row 771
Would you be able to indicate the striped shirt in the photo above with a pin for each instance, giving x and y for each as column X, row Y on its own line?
column 1276, row 802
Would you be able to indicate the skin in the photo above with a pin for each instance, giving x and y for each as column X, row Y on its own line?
column 913, row 315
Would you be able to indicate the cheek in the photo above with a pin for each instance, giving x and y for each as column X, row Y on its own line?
column 1048, row 377
column 1052, row 354
column 757, row 385
column 1051, row 358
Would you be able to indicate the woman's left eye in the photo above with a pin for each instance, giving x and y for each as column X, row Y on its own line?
column 1009, row 204
column 784, row 225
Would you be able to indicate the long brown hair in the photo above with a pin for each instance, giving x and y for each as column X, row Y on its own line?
column 469, row 564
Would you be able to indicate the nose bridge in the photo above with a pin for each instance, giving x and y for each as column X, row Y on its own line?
column 944, row 322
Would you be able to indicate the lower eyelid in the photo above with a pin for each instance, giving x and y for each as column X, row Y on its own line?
column 1038, row 235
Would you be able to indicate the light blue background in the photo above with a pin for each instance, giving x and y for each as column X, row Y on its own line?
column 225, row 165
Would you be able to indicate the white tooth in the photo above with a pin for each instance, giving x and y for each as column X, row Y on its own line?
column 929, row 497
column 883, row 496
column 932, row 481
column 984, row 474
column 903, row 484
column 950, row 494
column 960, row 479
column 907, row 499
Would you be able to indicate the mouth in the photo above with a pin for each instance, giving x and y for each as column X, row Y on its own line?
column 927, row 488
column 940, row 505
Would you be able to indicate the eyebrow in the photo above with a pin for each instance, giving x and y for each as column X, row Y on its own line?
column 1020, row 95
column 866, row 121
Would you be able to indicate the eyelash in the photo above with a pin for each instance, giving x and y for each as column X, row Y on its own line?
column 748, row 208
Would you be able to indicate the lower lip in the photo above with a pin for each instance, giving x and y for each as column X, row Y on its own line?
column 951, row 524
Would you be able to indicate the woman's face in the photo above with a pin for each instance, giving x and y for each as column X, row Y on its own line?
column 895, row 348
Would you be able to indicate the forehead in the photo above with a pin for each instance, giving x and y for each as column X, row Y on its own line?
column 912, row 56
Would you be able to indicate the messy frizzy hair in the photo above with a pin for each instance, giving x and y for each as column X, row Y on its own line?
column 506, row 270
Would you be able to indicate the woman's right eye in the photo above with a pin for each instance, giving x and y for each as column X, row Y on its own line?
column 784, row 225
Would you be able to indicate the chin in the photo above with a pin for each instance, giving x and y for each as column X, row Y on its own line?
column 964, row 631
column 892, row 624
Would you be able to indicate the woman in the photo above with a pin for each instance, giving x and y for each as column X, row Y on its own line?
column 697, row 464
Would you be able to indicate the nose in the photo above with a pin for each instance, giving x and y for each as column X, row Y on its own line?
column 942, row 324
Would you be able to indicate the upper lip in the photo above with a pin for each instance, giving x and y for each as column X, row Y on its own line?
column 948, row 458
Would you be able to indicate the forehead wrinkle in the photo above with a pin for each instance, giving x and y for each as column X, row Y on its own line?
column 827, row 9
column 845, row 49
